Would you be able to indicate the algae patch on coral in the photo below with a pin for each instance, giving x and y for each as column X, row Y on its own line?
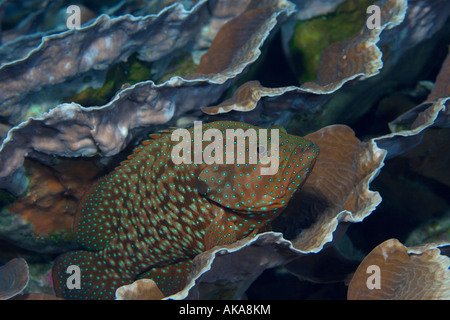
column 123, row 73
column 311, row 37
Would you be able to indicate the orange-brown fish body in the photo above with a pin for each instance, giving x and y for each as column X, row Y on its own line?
column 150, row 216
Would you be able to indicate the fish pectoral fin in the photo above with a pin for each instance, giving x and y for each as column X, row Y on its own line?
column 265, row 228
column 253, row 232
column 221, row 231
column 171, row 278
column 225, row 230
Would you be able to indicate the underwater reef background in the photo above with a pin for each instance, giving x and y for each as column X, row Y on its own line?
column 369, row 87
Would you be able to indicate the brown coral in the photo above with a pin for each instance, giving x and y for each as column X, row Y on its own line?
column 393, row 271
column 49, row 204
column 53, row 194
column 142, row 289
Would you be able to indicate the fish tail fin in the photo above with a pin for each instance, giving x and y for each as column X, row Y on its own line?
column 81, row 275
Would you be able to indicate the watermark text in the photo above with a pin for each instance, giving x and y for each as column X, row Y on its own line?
column 233, row 144
column 74, row 19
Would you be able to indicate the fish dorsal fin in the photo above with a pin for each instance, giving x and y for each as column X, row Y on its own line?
column 157, row 135
column 281, row 128
column 153, row 137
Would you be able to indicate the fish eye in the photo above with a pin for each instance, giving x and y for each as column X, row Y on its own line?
column 260, row 149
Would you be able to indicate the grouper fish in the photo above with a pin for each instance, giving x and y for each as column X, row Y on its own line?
column 151, row 215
